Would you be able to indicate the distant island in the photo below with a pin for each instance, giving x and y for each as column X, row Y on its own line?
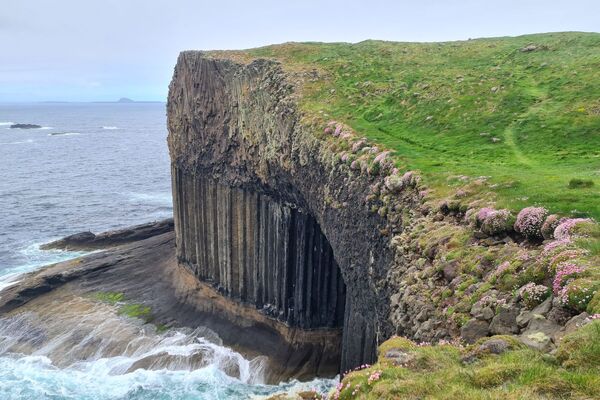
column 127, row 100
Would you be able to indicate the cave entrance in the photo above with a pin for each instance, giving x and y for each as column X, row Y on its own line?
column 259, row 251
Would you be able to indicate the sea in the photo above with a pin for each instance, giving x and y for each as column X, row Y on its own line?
column 97, row 166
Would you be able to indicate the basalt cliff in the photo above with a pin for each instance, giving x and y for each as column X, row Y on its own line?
column 313, row 226
column 263, row 213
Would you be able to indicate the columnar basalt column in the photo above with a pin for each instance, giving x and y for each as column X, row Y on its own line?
column 256, row 250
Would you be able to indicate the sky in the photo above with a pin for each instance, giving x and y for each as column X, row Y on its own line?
column 101, row 50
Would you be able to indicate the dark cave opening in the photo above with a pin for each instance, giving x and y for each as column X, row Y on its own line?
column 259, row 251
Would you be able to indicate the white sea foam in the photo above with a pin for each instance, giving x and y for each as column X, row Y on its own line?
column 110, row 128
column 17, row 142
column 8, row 280
column 6, row 123
column 151, row 198
column 197, row 365
column 36, row 258
column 64, row 134
column 46, row 128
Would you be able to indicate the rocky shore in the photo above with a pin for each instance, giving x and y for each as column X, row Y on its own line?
column 142, row 279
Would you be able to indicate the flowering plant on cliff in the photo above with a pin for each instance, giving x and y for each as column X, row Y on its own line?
column 529, row 222
column 564, row 230
column 565, row 272
column 533, row 294
column 374, row 377
column 550, row 225
column 493, row 222
column 579, row 292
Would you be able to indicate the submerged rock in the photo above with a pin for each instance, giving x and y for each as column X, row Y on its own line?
column 25, row 126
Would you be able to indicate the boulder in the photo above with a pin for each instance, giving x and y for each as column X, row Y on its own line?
column 449, row 271
column 539, row 333
column 474, row 329
column 542, row 309
column 478, row 311
column 399, row 357
column 559, row 313
column 505, row 322
column 571, row 325
column 494, row 346
column 540, row 324
column 537, row 340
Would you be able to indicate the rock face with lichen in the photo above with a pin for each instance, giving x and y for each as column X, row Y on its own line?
column 318, row 229
column 238, row 125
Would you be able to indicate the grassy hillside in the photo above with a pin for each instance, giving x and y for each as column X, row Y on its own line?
column 528, row 120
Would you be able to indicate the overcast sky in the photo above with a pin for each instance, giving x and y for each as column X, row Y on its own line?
column 83, row 50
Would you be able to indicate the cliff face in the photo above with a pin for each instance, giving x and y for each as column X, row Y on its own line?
column 249, row 175
column 258, row 251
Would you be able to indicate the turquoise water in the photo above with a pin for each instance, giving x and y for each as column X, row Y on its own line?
column 97, row 167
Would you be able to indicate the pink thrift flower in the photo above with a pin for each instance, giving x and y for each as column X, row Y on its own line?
column 564, row 230
column 530, row 220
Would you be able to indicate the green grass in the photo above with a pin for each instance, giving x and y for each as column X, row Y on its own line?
column 438, row 105
column 111, row 298
column 132, row 310
column 439, row 372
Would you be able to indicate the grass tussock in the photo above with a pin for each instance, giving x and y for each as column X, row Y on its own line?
column 517, row 373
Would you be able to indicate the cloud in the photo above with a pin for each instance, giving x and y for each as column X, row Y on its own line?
column 132, row 45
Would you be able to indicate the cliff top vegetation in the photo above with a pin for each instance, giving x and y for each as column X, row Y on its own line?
column 523, row 112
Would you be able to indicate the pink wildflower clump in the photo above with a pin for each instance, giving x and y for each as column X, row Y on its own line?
column 356, row 146
column 565, row 255
column 338, row 130
column 483, row 214
column 494, row 222
column 552, row 246
column 565, row 272
column 549, row 226
column 565, row 228
column 529, row 222
column 410, row 179
column 346, row 135
column 381, row 157
column 328, row 131
column 345, row 157
column 593, row 317
column 533, row 294
column 374, row 377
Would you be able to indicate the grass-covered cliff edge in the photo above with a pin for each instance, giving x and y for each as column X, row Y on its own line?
column 481, row 159
column 523, row 111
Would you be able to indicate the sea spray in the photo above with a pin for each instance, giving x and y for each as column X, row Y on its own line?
column 178, row 364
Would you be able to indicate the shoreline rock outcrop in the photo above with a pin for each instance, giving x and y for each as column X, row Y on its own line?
column 86, row 241
column 145, row 276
